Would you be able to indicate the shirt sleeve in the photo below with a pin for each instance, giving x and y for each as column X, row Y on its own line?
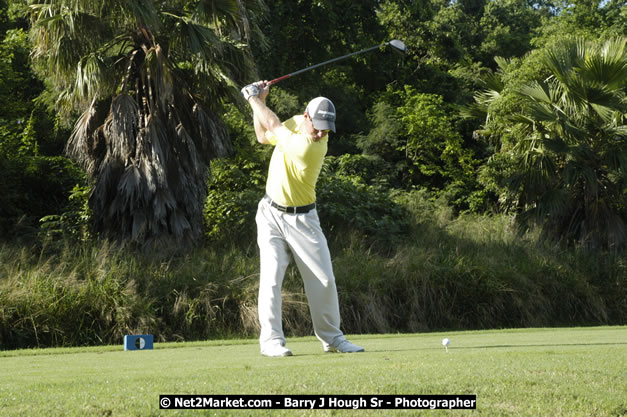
column 283, row 134
column 271, row 138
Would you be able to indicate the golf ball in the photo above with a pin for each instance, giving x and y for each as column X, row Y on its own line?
column 445, row 341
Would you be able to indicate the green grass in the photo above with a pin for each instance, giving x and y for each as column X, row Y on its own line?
column 530, row 372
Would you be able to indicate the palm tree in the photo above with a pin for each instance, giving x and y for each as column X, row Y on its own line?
column 570, row 147
column 148, row 79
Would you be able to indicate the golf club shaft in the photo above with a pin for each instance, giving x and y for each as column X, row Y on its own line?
column 276, row 80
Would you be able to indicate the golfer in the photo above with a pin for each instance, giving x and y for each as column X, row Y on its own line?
column 287, row 221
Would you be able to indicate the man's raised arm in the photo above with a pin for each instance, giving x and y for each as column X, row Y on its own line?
column 264, row 119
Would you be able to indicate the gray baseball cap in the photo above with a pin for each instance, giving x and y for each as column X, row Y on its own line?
column 322, row 113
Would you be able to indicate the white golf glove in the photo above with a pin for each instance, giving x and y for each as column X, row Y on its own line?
column 251, row 90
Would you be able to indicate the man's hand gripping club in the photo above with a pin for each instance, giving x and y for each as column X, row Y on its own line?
column 253, row 90
column 264, row 118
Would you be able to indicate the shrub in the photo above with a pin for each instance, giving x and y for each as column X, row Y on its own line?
column 345, row 201
column 347, row 204
column 453, row 273
column 234, row 192
column 32, row 187
column 69, row 299
column 75, row 221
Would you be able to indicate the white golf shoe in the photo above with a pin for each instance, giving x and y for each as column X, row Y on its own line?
column 275, row 351
column 343, row 347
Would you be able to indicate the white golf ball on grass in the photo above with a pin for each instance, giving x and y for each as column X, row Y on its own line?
column 445, row 342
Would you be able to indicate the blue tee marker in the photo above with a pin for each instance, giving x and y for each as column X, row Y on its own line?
column 138, row 342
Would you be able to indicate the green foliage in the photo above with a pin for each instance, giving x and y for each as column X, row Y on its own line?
column 284, row 103
column 390, row 213
column 76, row 299
column 347, row 203
column 590, row 19
column 81, row 294
column 235, row 188
column 451, row 272
column 298, row 41
column 17, row 84
column 351, row 193
column 35, row 180
column 32, row 187
column 451, row 30
column 149, row 80
column 384, row 138
column 18, row 87
column 409, row 22
column 566, row 144
column 74, row 223
column 479, row 264
column 507, row 27
column 416, row 134
column 432, row 146
column 443, row 35
column 367, row 169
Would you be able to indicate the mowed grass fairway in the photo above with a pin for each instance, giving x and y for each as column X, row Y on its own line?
column 529, row 372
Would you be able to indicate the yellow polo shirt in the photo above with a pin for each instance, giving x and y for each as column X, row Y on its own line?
column 295, row 164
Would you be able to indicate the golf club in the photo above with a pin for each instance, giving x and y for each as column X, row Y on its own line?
column 396, row 44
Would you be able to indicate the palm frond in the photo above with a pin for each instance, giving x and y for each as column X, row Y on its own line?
column 561, row 59
column 474, row 110
column 122, row 126
column 571, row 149
column 605, row 112
column 129, row 67
column 608, row 66
column 91, row 74
column 191, row 35
column 137, row 14
column 209, row 10
column 253, row 13
column 539, row 91
column 493, row 82
column 160, row 77
column 188, row 153
column 84, row 142
column 208, row 128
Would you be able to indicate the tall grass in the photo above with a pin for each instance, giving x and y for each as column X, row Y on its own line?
column 467, row 272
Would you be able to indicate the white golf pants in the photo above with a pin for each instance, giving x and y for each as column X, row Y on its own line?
column 278, row 234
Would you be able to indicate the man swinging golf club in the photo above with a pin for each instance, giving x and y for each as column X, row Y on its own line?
column 287, row 221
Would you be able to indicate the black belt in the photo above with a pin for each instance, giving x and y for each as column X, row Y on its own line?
column 292, row 210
